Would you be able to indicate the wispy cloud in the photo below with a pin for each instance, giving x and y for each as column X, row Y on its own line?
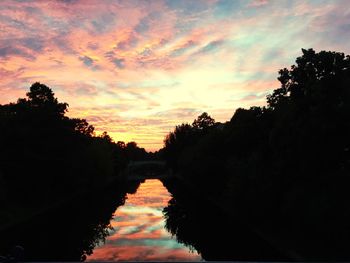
column 137, row 68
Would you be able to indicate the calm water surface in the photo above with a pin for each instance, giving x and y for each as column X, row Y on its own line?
column 139, row 232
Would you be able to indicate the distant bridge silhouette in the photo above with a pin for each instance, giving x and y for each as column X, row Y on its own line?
column 139, row 170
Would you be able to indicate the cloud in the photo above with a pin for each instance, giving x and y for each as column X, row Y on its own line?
column 9, row 51
column 119, row 62
column 87, row 61
column 93, row 45
column 189, row 7
column 83, row 89
column 103, row 23
column 178, row 51
column 179, row 113
column 144, row 25
column 258, row 3
column 224, row 8
column 210, row 47
column 139, row 68
column 129, row 43
column 254, row 96
column 33, row 43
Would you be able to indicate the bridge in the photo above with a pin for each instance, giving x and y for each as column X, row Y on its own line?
column 140, row 170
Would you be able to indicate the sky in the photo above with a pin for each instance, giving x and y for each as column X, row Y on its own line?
column 138, row 68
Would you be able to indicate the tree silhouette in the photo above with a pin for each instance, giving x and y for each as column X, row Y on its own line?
column 185, row 135
column 203, row 121
column 83, row 127
column 42, row 98
column 46, row 156
column 283, row 164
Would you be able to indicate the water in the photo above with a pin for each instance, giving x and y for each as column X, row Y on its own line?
column 138, row 230
column 77, row 230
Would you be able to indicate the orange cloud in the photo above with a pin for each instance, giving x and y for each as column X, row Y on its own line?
column 136, row 69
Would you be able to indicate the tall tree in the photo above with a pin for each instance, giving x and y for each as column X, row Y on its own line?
column 203, row 121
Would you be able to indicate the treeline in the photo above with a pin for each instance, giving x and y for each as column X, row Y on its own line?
column 46, row 156
column 285, row 164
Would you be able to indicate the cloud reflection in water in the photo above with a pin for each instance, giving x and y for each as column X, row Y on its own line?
column 139, row 232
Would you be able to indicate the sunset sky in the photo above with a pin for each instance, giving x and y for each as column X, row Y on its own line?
column 137, row 68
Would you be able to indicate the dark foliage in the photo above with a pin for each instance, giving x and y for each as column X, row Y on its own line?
column 46, row 156
column 284, row 167
column 67, row 232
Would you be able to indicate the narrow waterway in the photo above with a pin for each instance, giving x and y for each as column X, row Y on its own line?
column 138, row 230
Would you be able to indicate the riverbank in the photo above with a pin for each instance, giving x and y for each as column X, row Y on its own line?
column 293, row 238
column 198, row 220
column 77, row 222
column 21, row 214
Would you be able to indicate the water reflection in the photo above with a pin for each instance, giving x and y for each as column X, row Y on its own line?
column 139, row 232
column 212, row 233
column 68, row 232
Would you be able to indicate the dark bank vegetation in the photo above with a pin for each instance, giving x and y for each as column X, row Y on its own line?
column 283, row 168
column 69, row 232
column 47, row 157
column 206, row 228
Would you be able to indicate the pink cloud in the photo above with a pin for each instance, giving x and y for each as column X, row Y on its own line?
column 258, row 3
column 135, row 68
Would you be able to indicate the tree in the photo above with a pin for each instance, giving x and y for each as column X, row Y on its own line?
column 40, row 96
column 105, row 136
column 84, row 128
column 203, row 122
column 316, row 77
column 131, row 145
column 134, row 152
column 121, row 144
column 285, row 164
column 43, row 151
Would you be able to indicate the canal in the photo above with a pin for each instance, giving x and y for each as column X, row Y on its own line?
column 149, row 220
column 139, row 232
